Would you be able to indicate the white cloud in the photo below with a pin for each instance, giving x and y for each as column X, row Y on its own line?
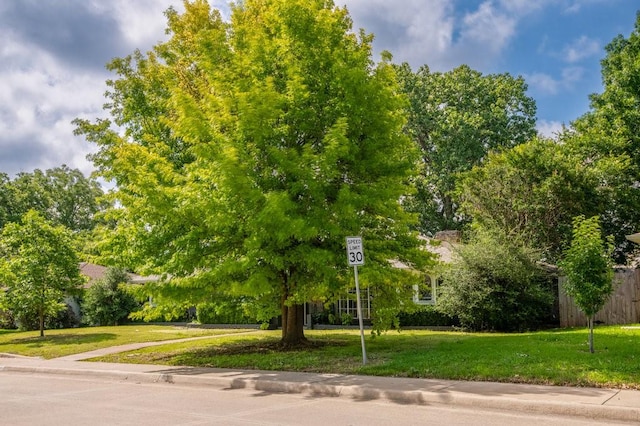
column 571, row 75
column 549, row 129
column 543, row 83
column 488, row 27
column 575, row 6
column 523, row 7
column 413, row 33
column 436, row 35
column 546, row 84
column 581, row 48
column 37, row 112
column 40, row 93
column 142, row 21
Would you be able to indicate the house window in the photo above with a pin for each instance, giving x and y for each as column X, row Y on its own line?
column 349, row 305
column 425, row 294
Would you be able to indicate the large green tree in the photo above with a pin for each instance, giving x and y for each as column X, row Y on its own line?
column 6, row 199
column 251, row 149
column 616, row 111
column 61, row 194
column 612, row 128
column 535, row 190
column 588, row 269
column 456, row 118
column 38, row 267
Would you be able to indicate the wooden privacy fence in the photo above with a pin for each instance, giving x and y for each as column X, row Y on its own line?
column 623, row 307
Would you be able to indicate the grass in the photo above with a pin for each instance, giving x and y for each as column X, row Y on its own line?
column 57, row 343
column 557, row 357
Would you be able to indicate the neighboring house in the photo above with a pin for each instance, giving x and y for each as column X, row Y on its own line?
column 623, row 307
column 95, row 272
column 442, row 246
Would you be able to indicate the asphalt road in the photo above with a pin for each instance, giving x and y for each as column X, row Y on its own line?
column 48, row 399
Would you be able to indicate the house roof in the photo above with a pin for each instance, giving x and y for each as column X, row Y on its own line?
column 95, row 272
column 92, row 271
column 634, row 238
column 442, row 246
column 442, row 249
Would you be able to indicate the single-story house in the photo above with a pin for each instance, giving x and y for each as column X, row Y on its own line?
column 95, row 272
column 442, row 246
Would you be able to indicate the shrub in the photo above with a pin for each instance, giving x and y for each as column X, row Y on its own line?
column 107, row 302
column 7, row 320
column 322, row 317
column 427, row 316
column 65, row 318
column 346, row 319
column 495, row 284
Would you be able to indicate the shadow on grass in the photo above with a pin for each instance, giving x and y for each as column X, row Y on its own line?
column 60, row 339
column 266, row 346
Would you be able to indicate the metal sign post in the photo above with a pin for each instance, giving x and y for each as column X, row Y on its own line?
column 355, row 257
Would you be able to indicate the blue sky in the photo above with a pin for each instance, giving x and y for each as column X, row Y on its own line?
column 52, row 56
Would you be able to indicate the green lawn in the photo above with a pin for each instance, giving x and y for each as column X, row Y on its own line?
column 559, row 357
column 57, row 343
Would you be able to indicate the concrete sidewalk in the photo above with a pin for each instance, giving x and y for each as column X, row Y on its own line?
column 604, row 404
column 134, row 346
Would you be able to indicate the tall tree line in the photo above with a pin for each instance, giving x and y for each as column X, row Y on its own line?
column 62, row 195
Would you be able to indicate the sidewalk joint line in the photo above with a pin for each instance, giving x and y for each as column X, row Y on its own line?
column 611, row 397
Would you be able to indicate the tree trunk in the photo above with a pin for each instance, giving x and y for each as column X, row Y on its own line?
column 41, row 321
column 292, row 325
column 447, row 212
column 591, row 335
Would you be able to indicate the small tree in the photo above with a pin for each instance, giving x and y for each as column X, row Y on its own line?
column 107, row 302
column 38, row 267
column 588, row 268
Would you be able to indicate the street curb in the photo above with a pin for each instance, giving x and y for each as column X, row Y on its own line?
column 324, row 388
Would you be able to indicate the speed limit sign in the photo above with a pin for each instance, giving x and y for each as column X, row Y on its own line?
column 355, row 253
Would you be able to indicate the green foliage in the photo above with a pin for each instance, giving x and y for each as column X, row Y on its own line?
column 107, row 301
column 62, row 195
column 223, row 312
column 614, row 112
column 610, row 130
column 545, row 185
column 6, row 200
column 426, row 316
column 7, row 319
column 346, row 319
column 251, row 149
column 38, row 266
column 64, row 318
column 157, row 307
column 456, row 118
column 588, row 268
column 495, row 284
